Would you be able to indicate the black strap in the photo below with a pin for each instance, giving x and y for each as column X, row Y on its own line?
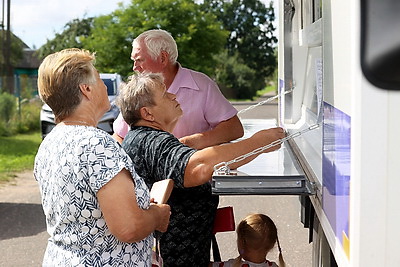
column 157, row 236
column 216, row 255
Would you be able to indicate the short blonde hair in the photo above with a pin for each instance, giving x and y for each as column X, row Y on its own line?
column 138, row 93
column 59, row 77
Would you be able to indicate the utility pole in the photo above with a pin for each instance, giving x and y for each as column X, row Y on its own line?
column 7, row 54
column 2, row 38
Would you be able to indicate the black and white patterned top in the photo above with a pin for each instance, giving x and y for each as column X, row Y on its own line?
column 158, row 155
column 72, row 164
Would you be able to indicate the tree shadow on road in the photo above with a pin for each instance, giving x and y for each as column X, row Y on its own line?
column 20, row 220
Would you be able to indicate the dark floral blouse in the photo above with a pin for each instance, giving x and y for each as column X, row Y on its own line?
column 158, row 155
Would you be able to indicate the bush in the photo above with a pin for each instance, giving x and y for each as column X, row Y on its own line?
column 30, row 116
column 4, row 130
column 22, row 120
column 7, row 107
column 236, row 79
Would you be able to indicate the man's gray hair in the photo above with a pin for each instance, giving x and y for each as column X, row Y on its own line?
column 157, row 41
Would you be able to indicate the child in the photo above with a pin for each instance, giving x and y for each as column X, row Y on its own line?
column 256, row 236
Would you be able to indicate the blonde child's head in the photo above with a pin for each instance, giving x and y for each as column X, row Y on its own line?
column 257, row 234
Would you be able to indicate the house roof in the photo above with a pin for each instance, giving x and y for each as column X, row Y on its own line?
column 29, row 60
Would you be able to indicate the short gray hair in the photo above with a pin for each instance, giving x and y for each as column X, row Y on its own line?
column 157, row 41
column 137, row 93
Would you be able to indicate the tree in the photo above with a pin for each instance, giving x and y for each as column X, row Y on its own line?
column 9, row 57
column 7, row 106
column 111, row 40
column 251, row 28
column 198, row 34
column 71, row 37
column 16, row 48
column 236, row 79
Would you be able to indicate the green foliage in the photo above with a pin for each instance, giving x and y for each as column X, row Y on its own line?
column 251, row 28
column 235, row 78
column 198, row 34
column 73, row 34
column 28, row 86
column 17, row 153
column 269, row 88
column 112, row 44
column 16, row 48
column 251, row 38
column 7, row 107
column 29, row 118
column 24, row 119
column 202, row 31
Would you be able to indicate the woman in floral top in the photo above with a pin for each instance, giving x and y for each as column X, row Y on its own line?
column 97, row 208
column 152, row 114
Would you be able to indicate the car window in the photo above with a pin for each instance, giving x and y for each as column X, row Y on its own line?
column 110, row 86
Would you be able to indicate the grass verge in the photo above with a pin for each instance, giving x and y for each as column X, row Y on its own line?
column 267, row 89
column 17, row 154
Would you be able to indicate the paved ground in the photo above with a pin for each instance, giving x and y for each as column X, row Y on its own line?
column 23, row 233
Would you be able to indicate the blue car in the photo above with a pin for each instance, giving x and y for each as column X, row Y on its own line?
column 112, row 81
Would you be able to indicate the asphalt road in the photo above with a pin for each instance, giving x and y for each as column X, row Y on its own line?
column 23, row 233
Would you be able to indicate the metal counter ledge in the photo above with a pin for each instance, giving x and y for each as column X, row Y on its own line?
column 273, row 173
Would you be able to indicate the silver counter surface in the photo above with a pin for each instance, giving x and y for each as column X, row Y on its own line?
column 273, row 173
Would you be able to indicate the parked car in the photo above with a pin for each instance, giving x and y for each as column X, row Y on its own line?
column 112, row 81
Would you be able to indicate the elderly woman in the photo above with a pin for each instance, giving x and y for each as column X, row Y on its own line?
column 97, row 208
column 152, row 113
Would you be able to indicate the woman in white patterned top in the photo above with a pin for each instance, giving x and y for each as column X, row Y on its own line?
column 98, row 210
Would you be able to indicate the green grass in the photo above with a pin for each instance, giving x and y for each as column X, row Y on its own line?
column 267, row 89
column 17, row 154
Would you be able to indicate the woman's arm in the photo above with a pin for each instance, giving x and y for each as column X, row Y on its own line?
column 124, row 218
column 201, row 164
column 224, row 132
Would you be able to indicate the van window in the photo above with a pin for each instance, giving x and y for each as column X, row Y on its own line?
column 110, row 86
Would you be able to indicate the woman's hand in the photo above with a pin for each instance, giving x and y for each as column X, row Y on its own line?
column 164, row 212
column 124, row 218
column 269, row 136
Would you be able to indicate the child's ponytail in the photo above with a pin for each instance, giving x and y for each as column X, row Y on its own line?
column 281, row 261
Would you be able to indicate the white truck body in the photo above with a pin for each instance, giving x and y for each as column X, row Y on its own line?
column 332, row 54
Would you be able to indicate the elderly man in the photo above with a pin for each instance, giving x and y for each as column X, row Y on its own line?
column 208, row 118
